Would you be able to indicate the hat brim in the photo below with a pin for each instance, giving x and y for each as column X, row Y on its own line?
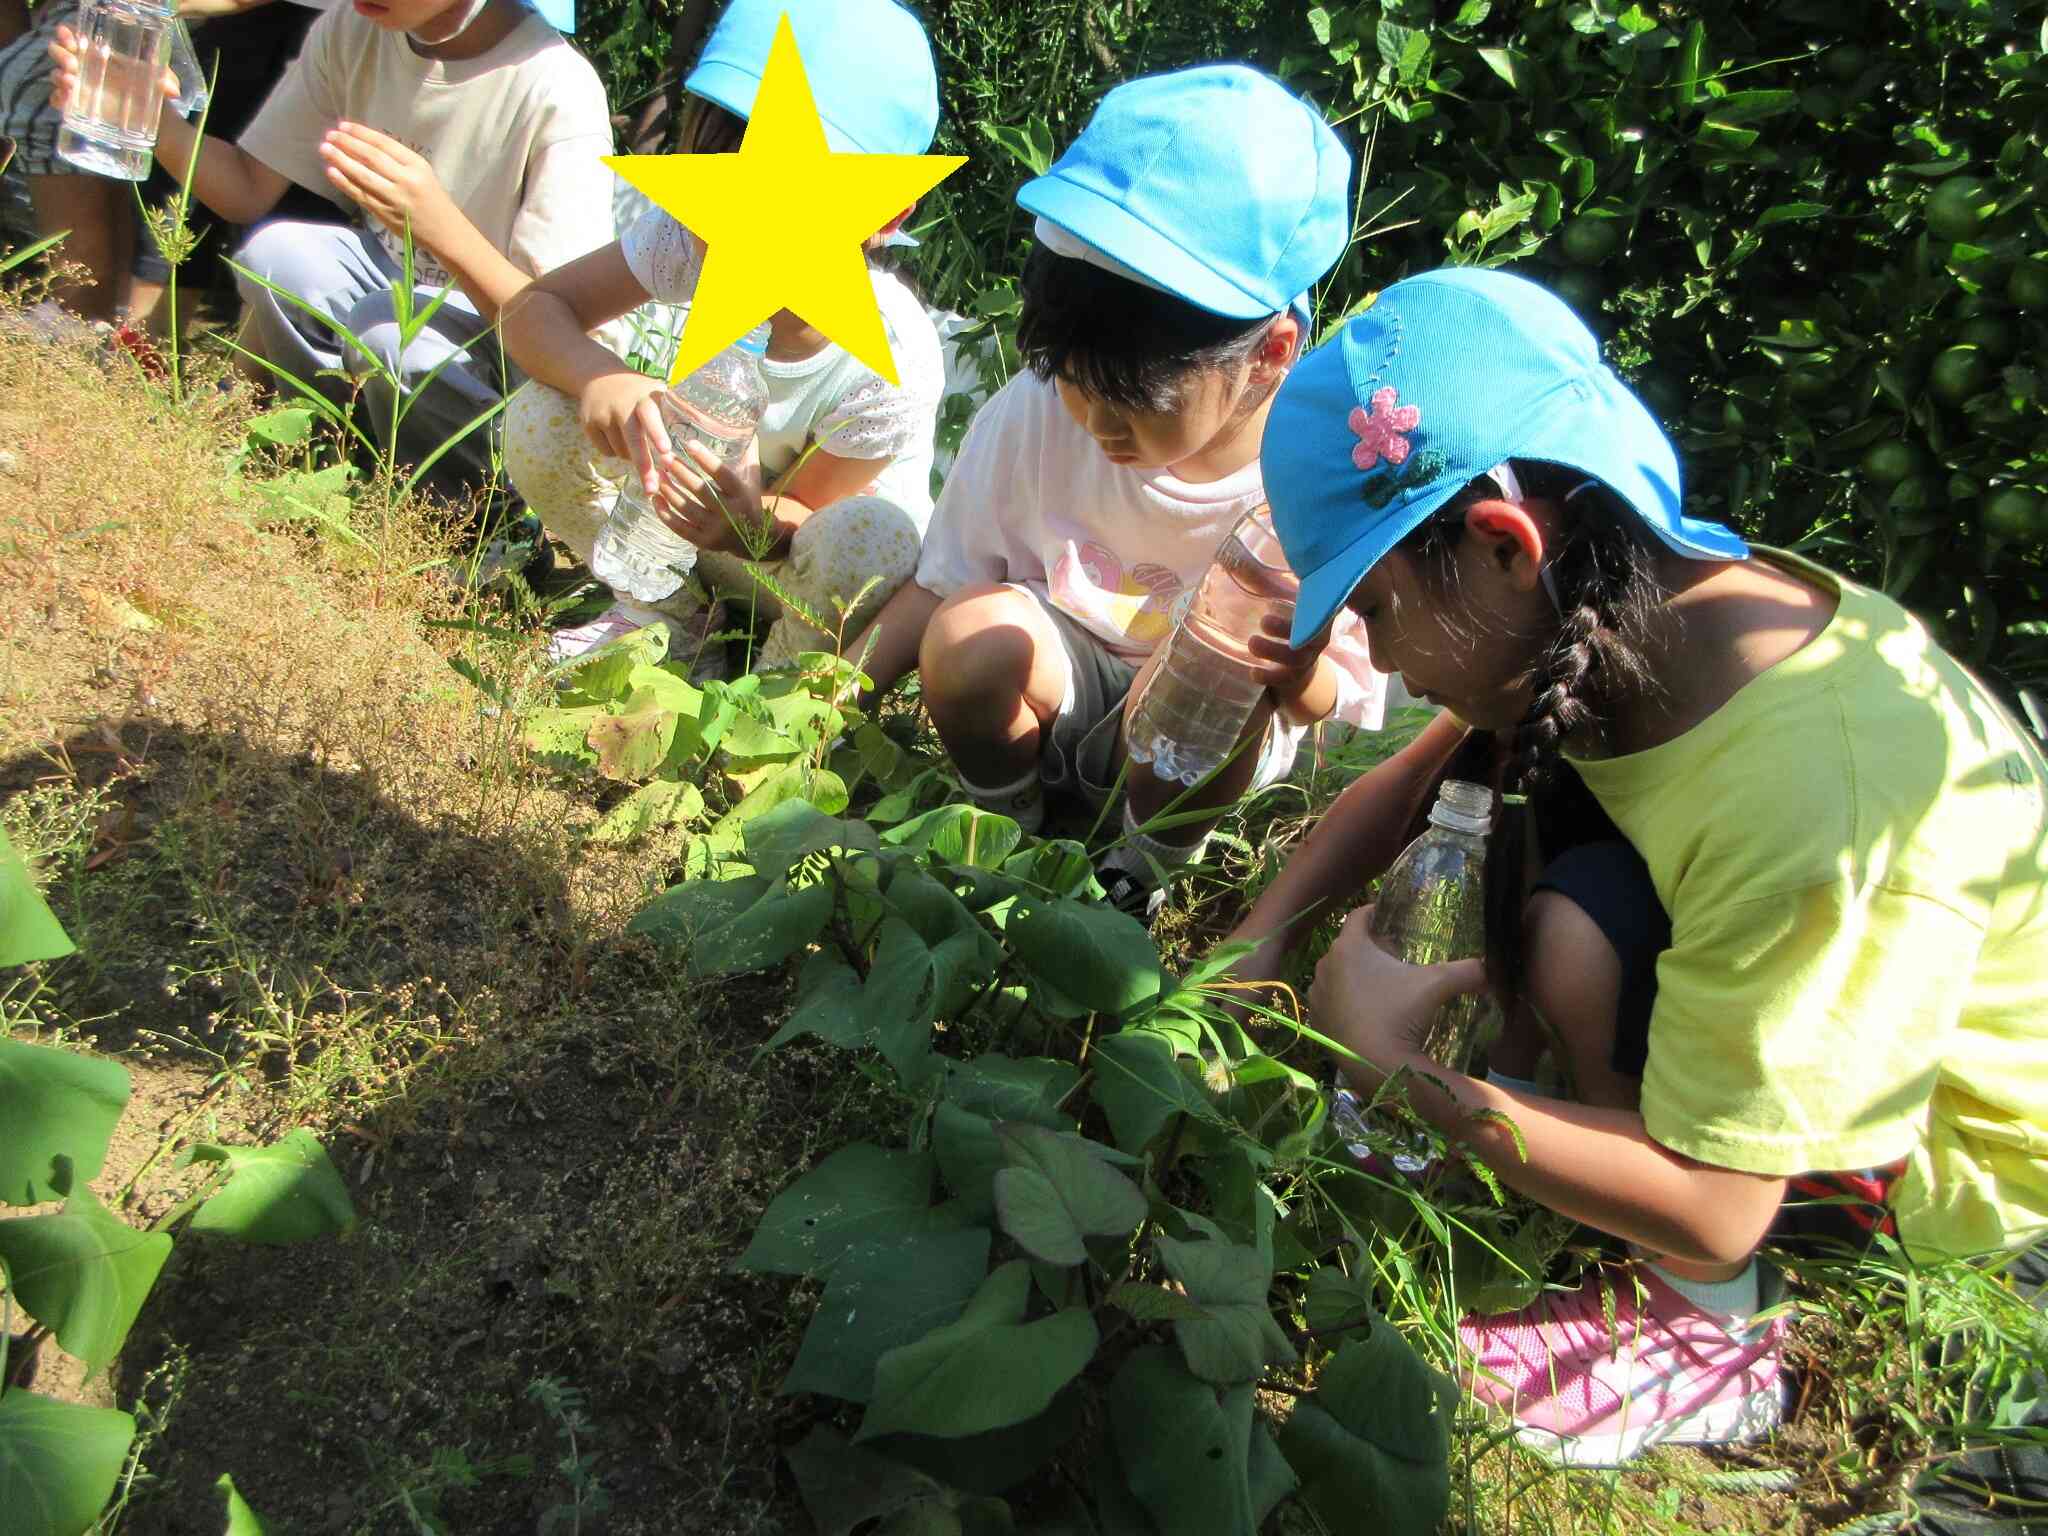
column 1114, row 231
column 728, row 86
column 1324, row 589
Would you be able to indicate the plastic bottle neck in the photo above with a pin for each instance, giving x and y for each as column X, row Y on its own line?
column 1463, row 807
column 755, row 342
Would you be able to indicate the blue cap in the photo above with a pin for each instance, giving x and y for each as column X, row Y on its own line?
column 1444, row 377
column 1215, row 183
column 559, row 14
column 868, row 62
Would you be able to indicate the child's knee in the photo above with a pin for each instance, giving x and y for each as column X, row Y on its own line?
column 544, row 442
column 979, row 648
column 271, row 251
column 1573, row 980
column 855, row 542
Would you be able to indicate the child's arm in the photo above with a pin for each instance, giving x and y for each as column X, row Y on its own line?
column 546, row 332
column 398, row 188
column 1599, row 1166
column 1356, row 839
column 230, row 181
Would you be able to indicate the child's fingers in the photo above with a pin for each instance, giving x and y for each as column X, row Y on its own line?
column 650, row 444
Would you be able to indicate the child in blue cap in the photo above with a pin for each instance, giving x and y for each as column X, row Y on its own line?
column 856, row 508
column 474, row 124
column 1177, row 239
column 1788, row 914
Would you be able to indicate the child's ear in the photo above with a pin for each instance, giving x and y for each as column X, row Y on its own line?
column 1512, row 539
column 1281, row 343
column 881, row 236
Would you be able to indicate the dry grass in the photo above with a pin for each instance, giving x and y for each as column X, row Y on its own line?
column 310, row 873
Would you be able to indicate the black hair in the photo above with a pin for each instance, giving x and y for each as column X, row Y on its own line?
column 1603, row 567
column 1119, row 340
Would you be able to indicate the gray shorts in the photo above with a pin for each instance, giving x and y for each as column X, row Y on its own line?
column 1083, row 753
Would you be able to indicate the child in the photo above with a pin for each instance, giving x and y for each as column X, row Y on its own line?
column 856, row 507
column 470, row 121
column 1178, row 236
column 1813, row 938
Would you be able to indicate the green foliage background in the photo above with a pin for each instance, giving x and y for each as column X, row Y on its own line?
column 1813, row 233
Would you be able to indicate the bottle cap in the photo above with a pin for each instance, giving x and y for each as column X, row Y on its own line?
column 755, row 342
column 1463, row 807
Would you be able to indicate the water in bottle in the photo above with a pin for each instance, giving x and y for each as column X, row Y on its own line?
column 636, row 554
column 1187, row 721
column 109, row 125
column 1431, row 909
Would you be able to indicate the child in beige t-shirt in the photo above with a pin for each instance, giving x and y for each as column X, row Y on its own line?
column 470, row 122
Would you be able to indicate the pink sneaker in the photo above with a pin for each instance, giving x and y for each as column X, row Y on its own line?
column 615, row 623
column 1602, row 1374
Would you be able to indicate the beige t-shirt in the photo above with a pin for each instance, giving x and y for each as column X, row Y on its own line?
column 514, row 135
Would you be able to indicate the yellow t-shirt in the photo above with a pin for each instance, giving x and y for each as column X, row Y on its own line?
column 1854, row 854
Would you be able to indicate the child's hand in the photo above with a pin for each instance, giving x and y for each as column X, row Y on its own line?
column 621, row 419
column 1304, row 689
column 1378, row 1005
column 63, row 50
column 707, row 517
column 394, row 183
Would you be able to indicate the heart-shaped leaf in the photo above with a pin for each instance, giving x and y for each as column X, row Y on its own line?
column 882, row 1295
column 1056, row 1189
column 285, row 1193
column 58, row 1463
column 861, row 1193
column 60, row 1109
column 83, row 1274
column 1372, row 1443
column 1230, row 1281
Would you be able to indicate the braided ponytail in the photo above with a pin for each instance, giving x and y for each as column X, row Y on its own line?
column 1603, row 578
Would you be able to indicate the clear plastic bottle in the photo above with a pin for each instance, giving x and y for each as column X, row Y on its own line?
column 720, row 406
column 109, row 126
column 1431, row 909
column 1197, row 700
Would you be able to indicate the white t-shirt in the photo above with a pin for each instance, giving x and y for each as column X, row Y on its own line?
column 514, row 135
column 833, row 397
column 1032, row 500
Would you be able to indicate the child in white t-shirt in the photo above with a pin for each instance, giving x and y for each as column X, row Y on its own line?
column 852, row 514
column 470, row 121
column 1178, row 236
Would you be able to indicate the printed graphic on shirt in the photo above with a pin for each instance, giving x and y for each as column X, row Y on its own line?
column 1090, row 582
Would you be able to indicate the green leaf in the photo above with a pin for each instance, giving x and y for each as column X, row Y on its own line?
column 58, row 1463
column 728, row 926
column 1141, row 1085
column 791, row 832
column 1102, row 958
column 843, row 1486
column 861, row 1193
column 1753, row 106
column 632, row 744
column 1056, row 1189
column 561, row 733
column 1335, row 1300
column 604, row 675
column 828, row 1004
column 899, row 998
column 1230, row 1281
column 1186, row 1456
column 1691, row 61
column 657, row 803
column 60, row 1109
column 1372, row 1443
column 1786, row 213
column 1155, row 1303
column 1502, row 62
column 880, row 1296
column 284, row 427
column 242, row 1519
column 1010, row 1088
column 989, row 1370
column 83, row 1274
column 970, row 1155
column 287, row 1192
column 959, row 834
column 998, row 1459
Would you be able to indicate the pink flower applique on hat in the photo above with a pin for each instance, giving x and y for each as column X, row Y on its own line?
column 1381, row 432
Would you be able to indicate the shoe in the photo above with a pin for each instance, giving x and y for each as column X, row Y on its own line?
column 1130, row 895
column 1596, row 1376
column 615, row 623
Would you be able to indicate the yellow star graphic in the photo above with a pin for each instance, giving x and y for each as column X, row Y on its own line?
column 756, row 263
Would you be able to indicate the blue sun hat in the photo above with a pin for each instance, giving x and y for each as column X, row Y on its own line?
column 1215, row 184
column 1446, row 376
column 869, row 64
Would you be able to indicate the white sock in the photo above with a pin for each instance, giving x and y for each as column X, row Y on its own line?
column 1514, row 1084
column 1023, row 801
column 1131, row 855
column 1735, row 1298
